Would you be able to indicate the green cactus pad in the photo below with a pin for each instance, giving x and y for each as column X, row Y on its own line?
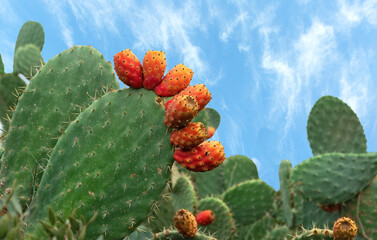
column 249, row 200
column 114, row 159
column 66, row 85
column 27, row 60
column 209, row 183
column 175, row 235
column 314, row 234
column 209, row 117
column 10, row 87
column 141, row 233
column 238, row 169
column 334, row 177
column 278, row 233
column 1, row 66
column 256, row 231
column 31, row 32
column 333, row 127
column 363, row 209
column 285, row 190
column 223, row 225
column 183, row 195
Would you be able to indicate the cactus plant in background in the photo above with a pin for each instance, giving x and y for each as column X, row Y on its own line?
column 27, row 60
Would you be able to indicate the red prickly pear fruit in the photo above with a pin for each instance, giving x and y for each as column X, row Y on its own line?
column 210, row 131
column 177, row 79
column 128, row 68
column 200, row 92
column 190, row 136
column 181, row 110
column 205, row 157
column 205, row 217
column 185, row 223
column 154, row 64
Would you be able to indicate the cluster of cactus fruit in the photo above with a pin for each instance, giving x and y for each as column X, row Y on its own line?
column 138, row 162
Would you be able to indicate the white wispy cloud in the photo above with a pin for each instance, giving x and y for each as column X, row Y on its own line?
column 234, row 135
column 57, row 9
column 295, row 68
column 315, row 48
column 101, row 15
column 162, row 25
column 356, row 84
column 352, row 13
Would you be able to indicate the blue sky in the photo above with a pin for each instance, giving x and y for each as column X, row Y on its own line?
column 265, row 62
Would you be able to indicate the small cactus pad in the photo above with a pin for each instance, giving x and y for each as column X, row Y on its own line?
column 31, row 32
column 175, row 235
column 27, row 60
column 238, row 169
column 322, row 178
column 334, row 127
column 286, row 192
column 114, row 159
column 183, row 194
column 10, row 87
column 249, row 201
column 66, row 85
column 223, row 225
column 209, row 116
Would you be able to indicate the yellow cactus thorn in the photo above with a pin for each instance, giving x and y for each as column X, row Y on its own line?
column 344, row 229
column 185, row 223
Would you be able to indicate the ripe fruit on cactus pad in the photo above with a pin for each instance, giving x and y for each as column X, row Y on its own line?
column 190, row 136
column 177, row 79
column 181, row 110
column 205, row 157
column 128, row 68
column 200, row 92
column 205, row 217
column 185, row 223
column 154, row 64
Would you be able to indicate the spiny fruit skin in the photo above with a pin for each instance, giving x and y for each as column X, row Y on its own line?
column 185, row 223
column 205, row 217
column 205, row 157
column 200, row 92
column 128, row 68
column 344, row 229
column 154, row 65
column 181, row 110
column 177, row 79
column 210, row 131
column 189, row 136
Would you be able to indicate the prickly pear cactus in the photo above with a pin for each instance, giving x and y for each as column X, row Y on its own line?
column 113, row 159
column 65, row 86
